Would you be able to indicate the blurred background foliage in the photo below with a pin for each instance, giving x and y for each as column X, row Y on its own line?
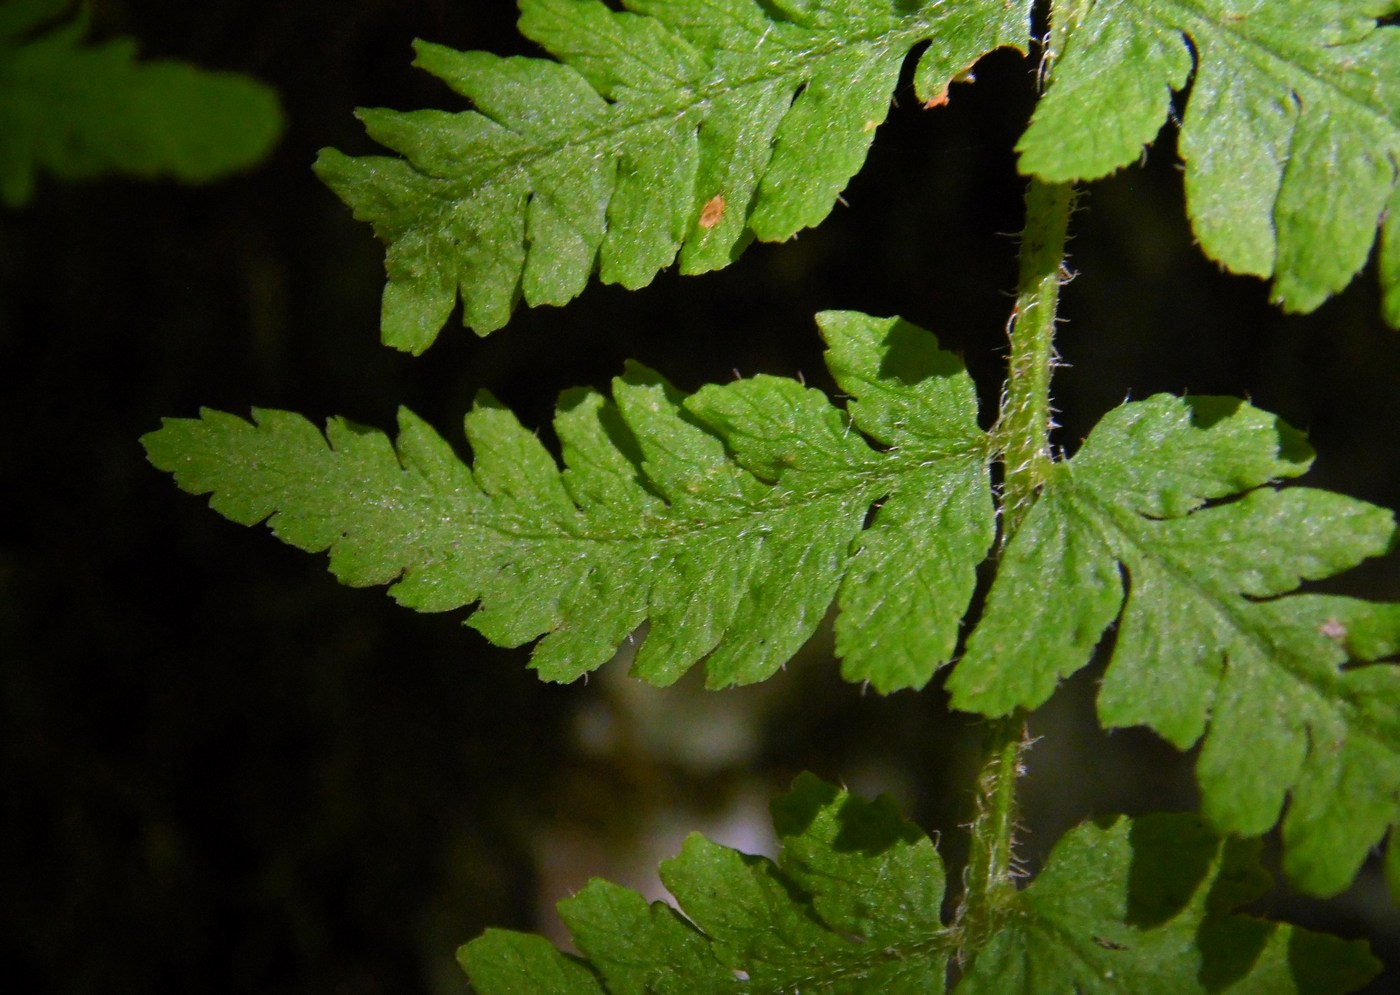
column 220, row 771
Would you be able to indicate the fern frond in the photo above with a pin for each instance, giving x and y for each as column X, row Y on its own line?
column 1210, row 636
column 1291, row 135
column 728, row 521
column 1147, row 906
column 80, row 111
column 852, row 905
column 673, row 125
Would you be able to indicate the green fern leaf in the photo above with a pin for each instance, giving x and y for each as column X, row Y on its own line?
column 728, row 520
column 1291, row 137
column 675, row 125
column 1209, row 634
column 1144, row 906
column 81, row 111
column 852, row 905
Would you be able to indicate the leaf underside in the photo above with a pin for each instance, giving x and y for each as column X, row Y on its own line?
column 852, row 905
column 672, row 127
column 728, row 520
column 79, row 111
column 1209, row 641
column 1290, row 137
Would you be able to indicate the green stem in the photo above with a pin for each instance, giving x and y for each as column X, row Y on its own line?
column 990, row 879
column 1024, row 427
column 1023, row 436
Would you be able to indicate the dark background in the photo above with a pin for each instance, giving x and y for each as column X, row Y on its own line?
column 220, row 771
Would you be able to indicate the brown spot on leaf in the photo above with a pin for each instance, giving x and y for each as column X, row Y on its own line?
column 940, row 98
column 1333, row 629
column 713, row 210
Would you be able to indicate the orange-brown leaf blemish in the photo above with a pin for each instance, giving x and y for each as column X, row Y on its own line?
column 938, row 99
column 713, row 210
